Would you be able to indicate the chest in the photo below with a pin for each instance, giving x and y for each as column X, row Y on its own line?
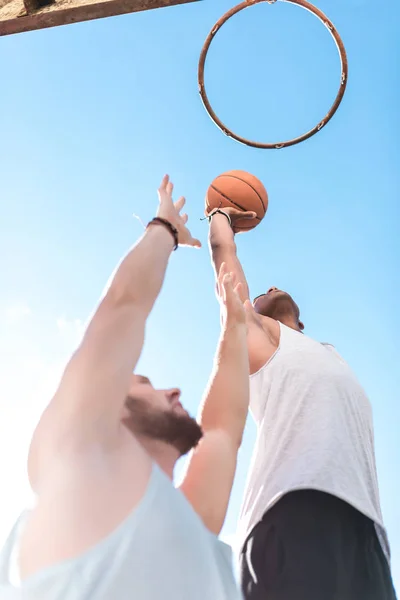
column 305, row 380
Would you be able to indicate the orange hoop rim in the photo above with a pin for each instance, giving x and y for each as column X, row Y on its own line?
column 343, row 81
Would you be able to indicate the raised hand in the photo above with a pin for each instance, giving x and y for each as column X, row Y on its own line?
column 232, row 308
column 171, row 212
column 236, row 215
column 230, row 294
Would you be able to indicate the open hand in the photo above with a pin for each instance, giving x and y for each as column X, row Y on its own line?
column 170, row 210
column 232, row 308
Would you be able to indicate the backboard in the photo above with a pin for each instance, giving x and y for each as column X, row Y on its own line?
column 24, row 15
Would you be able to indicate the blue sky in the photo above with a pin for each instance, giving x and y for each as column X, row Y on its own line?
column 92, row 115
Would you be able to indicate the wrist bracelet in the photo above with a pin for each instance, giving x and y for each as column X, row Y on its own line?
column 221, row 212
column 173, row 230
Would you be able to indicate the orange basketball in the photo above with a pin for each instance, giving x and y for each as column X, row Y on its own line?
column 240, row 190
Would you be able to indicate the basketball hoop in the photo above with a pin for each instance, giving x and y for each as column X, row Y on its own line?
column 343, row 82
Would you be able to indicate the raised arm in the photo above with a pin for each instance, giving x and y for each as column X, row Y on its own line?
column 89, row 400
column 223, row 247
column 211, row 468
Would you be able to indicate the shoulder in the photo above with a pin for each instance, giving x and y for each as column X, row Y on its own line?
column 49, row 455
column 330, row 347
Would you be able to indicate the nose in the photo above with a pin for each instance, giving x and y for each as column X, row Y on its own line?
column 173, row 395
column 272, row 289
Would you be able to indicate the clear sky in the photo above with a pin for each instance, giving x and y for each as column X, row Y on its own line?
column 92, row 115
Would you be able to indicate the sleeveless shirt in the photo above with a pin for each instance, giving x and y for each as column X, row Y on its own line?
column 161, row 550
column 314, row 431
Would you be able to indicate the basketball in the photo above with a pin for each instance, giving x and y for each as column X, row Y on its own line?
column 240, row 190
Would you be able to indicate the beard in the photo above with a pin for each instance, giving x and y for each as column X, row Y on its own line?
column 279, row 305
column 178, row 430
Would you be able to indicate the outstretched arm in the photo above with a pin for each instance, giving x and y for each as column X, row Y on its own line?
column 88, row 403
column 212, row 465
column 223, row 247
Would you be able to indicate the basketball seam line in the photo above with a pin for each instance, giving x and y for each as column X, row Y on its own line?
column 231, row 201
column 249, row 184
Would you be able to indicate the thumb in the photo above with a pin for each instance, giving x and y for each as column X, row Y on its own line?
column 248, row 214
column 196, row 243
column 249, row 309
column 239, row 289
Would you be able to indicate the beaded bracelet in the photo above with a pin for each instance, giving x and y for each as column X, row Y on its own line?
column 173, row 230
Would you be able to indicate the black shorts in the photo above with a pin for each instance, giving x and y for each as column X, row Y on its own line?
column 313, row 546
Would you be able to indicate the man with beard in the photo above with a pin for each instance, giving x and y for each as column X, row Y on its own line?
column 311, row 524
column 108, row 523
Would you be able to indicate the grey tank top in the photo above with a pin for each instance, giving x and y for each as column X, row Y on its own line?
column 314, row 431
column 161, row 551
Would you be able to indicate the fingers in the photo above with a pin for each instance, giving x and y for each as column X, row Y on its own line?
column 237, row 213
column 196, row 243
column 224, row 288
column 164, row 183
column 248, row 306
column 249, row 214
column 166, row 186
column 179, row 204
column 241, row 292
column 231, row 210
column 227, row 285
column 226, row 278
column 222, row 271
column 170, row 211
column 227, row 281
column 238, row 289
column 165, row 189
column 250, row 312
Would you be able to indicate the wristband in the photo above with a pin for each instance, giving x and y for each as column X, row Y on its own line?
column 173, row 230
column 222, row 212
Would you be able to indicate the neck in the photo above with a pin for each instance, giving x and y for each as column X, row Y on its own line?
column 165, row 455
column 289, row 322
column 285, row 315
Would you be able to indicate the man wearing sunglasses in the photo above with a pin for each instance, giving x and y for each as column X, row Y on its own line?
column 311, row 525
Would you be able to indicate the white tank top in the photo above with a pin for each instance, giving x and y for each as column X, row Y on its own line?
column 160, row 551
column 314, row 431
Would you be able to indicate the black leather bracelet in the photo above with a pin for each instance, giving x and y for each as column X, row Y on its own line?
column 221, row 212
column 173, row 231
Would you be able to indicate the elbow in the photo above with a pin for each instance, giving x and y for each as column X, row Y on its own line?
column 121, row 301
column 116, row 297
column 121, row 293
